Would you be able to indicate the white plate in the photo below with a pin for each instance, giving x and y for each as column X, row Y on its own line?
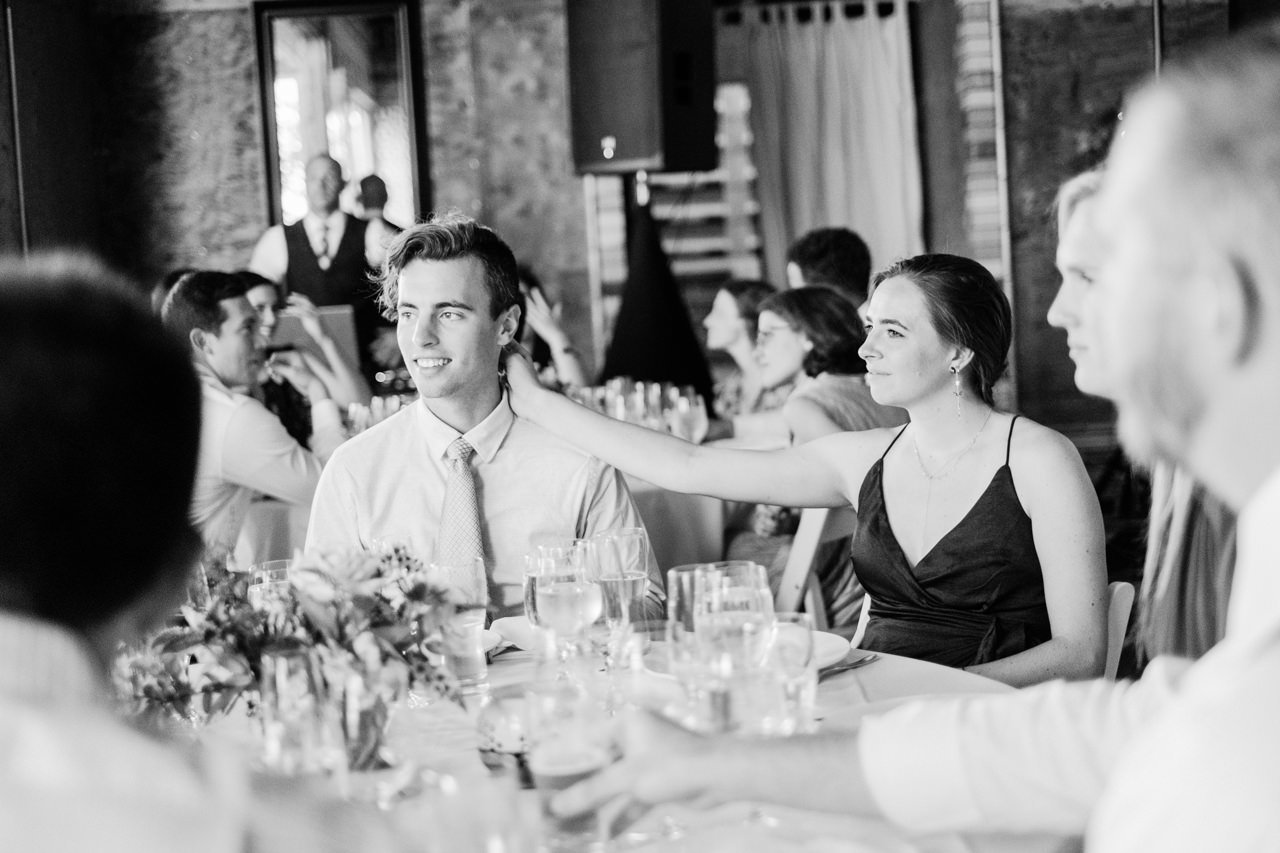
column 490, row 639
column 517, row 631
column 828, row 648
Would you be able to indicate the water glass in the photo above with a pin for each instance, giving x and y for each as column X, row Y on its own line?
column 468, row 582
column 792, row 659
column 570, row 738
column 297, row 735
column 463, row 644
column 269, row 584
column 740, row 585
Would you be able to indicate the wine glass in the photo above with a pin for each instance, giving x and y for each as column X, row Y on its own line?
column 567, row 598
column 622, row 557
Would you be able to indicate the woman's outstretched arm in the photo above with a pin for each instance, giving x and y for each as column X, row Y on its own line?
column 806, row 476
column 1066, row 524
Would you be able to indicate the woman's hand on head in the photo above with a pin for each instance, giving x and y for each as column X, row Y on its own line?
column 521, row 378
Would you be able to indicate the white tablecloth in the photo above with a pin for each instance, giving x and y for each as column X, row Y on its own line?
column 442, row 736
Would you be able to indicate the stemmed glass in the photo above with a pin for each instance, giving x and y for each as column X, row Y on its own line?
column 622, row 560
column 567, row 597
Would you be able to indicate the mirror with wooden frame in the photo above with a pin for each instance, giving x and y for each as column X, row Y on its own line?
column 343, row 79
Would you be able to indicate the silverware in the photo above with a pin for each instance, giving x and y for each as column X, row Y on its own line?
column 845, row 666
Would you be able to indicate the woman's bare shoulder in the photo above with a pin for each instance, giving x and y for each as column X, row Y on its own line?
column 1044, row 462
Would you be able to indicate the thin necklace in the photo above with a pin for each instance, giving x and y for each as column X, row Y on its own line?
column 955, row 460
column 931, row 478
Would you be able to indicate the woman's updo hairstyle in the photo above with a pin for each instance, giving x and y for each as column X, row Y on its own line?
column 831, row 323
column 968, row 309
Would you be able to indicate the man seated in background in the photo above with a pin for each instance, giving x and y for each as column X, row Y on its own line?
column 457, row 476
column 244, row 448
column 99, row 427
column 831, row 257
column 1188, row 308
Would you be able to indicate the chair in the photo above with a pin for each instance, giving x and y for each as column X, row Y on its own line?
column 818, row 525
column 1119, row 606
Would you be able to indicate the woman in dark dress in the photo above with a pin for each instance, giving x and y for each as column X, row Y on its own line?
column 980, row 539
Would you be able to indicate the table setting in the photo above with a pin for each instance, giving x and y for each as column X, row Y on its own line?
column 377, row 676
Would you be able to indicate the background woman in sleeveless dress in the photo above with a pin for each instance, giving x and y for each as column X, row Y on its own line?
column 938, row 335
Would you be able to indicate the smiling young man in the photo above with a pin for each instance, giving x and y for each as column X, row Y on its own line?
column 244, row 448
column 451, row 285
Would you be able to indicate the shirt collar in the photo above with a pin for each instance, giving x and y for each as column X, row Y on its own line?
column 314, row 220
column 207, row 377
column 45, row 663
column 486, row 437
column 1255, row 591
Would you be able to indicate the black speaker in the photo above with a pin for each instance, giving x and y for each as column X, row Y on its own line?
column 642, row 85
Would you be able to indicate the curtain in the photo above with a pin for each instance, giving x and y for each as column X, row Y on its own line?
column 834, row 122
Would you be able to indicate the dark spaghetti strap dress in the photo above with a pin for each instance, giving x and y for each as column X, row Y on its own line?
column 977, row 596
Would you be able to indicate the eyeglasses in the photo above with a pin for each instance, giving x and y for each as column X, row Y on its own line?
column 763, row 335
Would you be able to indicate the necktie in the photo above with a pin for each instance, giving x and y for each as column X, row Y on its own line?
column 322, row 248
column 458, row 541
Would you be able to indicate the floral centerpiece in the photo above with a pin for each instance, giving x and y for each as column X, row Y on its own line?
column 367, row 616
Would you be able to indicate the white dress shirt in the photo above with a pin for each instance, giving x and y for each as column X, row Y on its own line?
column 244, row 450
column 386, row 486
column 1184, row 760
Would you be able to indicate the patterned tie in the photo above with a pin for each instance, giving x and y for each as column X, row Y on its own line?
column 458, row 540
column 322, row 249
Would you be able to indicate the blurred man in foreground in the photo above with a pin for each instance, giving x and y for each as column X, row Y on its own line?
column 1189, row 308
column 97, row 466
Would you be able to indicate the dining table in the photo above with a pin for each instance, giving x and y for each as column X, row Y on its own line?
column 442, row 736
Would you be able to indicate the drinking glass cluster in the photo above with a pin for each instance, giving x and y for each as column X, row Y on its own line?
column 743, row 667
column 678, row 410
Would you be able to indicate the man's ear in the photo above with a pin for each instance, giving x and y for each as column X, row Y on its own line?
column 508, row 321
column 1237, row 310
column 198, row 339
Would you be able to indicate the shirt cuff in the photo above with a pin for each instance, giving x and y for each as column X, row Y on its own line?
column 914, row 768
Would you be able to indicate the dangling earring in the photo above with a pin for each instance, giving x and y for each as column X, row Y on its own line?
column 956, row 374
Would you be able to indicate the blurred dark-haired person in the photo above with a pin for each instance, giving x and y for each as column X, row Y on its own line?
column 452, row 286
column 731, row 327
column 831, row 257
column 343, row 379
column 993, row 561
column 97, row 549
column 244, row 448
